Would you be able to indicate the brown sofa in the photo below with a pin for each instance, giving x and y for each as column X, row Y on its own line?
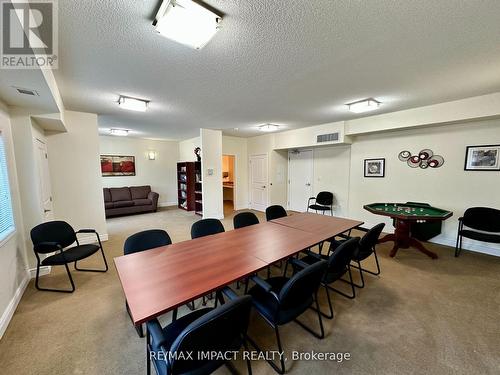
column 129, row 200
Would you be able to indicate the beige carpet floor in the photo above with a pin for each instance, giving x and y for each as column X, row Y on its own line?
column 421, row 316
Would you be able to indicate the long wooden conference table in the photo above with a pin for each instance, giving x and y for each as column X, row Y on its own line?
column 159, row 280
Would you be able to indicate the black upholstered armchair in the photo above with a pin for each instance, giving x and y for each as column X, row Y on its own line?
column 480, row 224
column 57, row 237
column 221, row 329
column 322, row 202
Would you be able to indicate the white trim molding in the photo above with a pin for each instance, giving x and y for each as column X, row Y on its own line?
column 12, row 306
column 167, row 204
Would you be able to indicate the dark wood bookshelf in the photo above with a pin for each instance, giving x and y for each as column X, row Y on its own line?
column 189, row 188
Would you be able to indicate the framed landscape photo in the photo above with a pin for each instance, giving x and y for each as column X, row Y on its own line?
column 117, row 165
column 482, row 158
column 374, row 167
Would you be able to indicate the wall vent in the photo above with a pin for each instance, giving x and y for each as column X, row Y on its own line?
column 23, row 91
column 332, row 137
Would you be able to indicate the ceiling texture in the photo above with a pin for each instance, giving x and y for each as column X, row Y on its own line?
column 289, row 62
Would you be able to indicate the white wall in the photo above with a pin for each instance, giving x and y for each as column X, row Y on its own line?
column 76, row 174
column 186, row 149
column 448, row 187
column 331, row 173
column 211, row 158
column 159, row 173
column 13, row 264
column 238, row 147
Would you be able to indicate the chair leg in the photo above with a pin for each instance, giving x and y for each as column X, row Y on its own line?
column 350, row 282
column 360, row 274
column 94, row 270
column 281, row 369
column 322, row 331
column 458, row 247
column 148, row 359
column 330, row 306
column 249, row 363
column 368, row 271
column 138, row 328
column 37, row 284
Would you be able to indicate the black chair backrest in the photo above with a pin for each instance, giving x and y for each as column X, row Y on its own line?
column 482, row 218
column 368, row 241
column 206, row 227
column 275, row 212
column 244, row 219
column 219, row 331
column 303, row 285
column 53, row 231
column 341, row 256
column 324, row 198
column 145, row 240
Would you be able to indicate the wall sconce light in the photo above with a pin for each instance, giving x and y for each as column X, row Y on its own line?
column 151, row 155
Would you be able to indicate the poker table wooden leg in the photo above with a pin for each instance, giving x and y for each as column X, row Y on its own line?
column 402, row 239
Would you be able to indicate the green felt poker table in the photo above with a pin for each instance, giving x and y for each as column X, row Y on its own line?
column 405, row 215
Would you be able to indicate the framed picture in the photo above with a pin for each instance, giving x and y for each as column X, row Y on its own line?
column 374, row 167
column 482, row 158
column 117, row 165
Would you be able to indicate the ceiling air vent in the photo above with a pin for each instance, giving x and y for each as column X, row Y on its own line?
column 20, row 90
column 332, row 137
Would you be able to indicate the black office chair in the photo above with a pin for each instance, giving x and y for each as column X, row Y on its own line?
column 245, row 219
column 275, row 212
column 206, row 227
column 210, row 330
column 322, row 202
column 141, row 241
column 366, row 247
column 57, row 236
column 202, row 228
column 483, row 219
column 338, row 265
column 279, row 300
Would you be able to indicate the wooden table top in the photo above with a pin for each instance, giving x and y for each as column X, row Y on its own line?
column 324, row 226
column 159, row 280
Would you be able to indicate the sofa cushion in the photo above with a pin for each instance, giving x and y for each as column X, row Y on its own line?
column 143, row 202
column 120, row 194
column 140, row 192
column 108, row 205
column 107, row 195
column 123, row 204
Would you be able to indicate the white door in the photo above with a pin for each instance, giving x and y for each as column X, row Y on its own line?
column 300, row 179
column 258, row 182
column 44, row 189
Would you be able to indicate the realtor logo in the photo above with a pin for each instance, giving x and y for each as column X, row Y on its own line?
column 29, row 34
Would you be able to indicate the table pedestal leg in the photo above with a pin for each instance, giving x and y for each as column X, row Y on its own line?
column 403, row 240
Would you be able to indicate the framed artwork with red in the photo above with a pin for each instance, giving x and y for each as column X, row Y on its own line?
column 117, row 165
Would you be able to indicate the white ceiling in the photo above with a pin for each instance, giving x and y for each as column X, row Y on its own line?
column 290, row 62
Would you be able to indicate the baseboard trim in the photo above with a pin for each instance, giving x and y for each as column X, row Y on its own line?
column 12, row 306
column 167, row 204
column 87, row 238
column 44, row 270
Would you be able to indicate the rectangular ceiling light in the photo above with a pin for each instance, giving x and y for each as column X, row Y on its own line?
column 187, row 22
column 364, row 105
column 133, row 104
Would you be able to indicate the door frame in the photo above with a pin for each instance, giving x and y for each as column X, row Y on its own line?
column 38, row 165
column 235, row 183
column 289, row 180
column 266, row 154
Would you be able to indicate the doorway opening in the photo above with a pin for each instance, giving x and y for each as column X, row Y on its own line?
column 300, row 175
column 228, row 183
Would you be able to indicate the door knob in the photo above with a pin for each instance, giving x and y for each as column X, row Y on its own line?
column 45, row 211
column 264, row 186
column 308, row 184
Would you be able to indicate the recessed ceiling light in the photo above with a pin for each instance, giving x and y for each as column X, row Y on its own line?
column 133, row 104
column 364, row 105
column 187, row 22
column 118, row 132
column 268, row 127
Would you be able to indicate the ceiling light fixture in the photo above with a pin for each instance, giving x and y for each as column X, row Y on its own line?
column 187, row 22
column 268, row 127
column 118, row 132
column 365, row 105
column 133, row 104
